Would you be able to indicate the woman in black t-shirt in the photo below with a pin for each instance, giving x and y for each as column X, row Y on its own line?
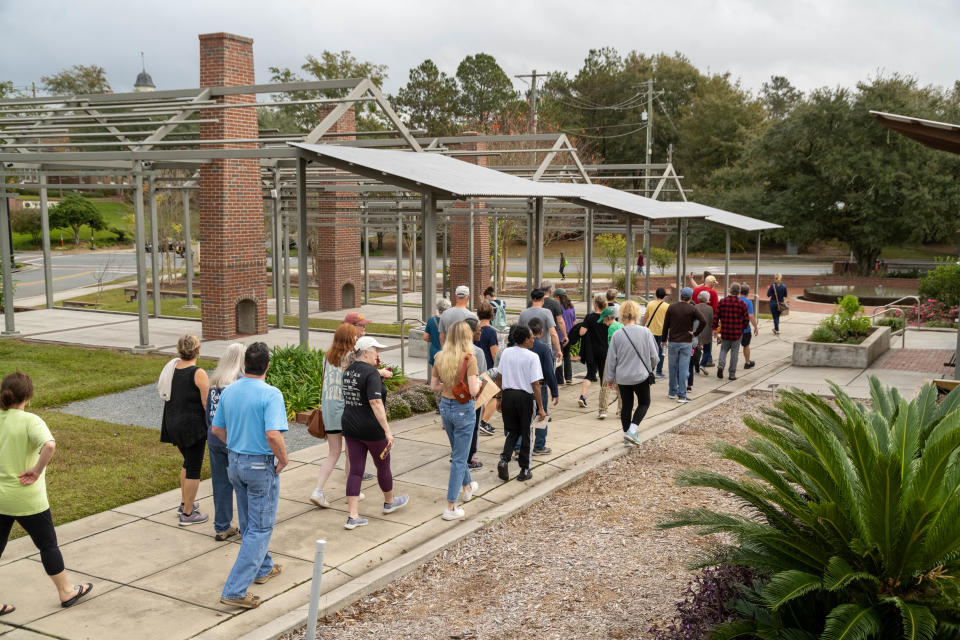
column 365, row 429
column 593, row 346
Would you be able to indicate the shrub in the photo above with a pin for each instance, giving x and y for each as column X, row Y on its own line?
column 661, row 258
column 420, row 399
column 705, row 603
column 299, row 376
column 894, row 322
column 825, row 334
column 398, row 407
column 942, row 283
column 853, row 513
column 846, row 324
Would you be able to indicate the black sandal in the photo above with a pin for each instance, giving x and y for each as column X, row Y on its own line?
column 82, row 590
column 7, row 608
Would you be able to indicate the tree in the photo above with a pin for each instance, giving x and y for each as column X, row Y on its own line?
column 26, row 221
column 77, row 80
column 661, row 258
column 329, row 66
column 429, row 99
column 613, row 248
column 8, row 90
column 75, row 211
column 779, row 97
column 485, row 91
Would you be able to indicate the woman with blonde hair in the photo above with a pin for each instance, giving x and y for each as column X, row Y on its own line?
column 777, row 292
column 228, row 371
column 457, row 363
column 629, row 367
column 335, row 362
column 185, row 424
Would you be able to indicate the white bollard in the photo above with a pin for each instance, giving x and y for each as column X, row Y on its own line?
column 315, row 590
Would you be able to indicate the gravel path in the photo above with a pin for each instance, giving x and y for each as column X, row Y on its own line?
column 142, row 406
column 585, row 562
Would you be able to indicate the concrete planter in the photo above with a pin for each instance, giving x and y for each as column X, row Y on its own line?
column 854, row 356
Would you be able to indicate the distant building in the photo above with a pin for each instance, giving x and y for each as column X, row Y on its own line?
column 144, row 83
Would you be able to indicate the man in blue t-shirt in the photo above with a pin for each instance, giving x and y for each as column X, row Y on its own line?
column 747, row 335
column 251, row 419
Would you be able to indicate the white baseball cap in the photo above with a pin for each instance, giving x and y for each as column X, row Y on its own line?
column 463, row 291
column 368, row 342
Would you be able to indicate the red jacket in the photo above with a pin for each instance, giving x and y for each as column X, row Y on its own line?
column 714, row 298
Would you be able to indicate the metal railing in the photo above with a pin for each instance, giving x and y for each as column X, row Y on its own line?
column 403, row 340
column 890, row 306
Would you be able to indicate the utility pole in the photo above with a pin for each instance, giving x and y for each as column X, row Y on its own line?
column 649, row 152
column 534, row 97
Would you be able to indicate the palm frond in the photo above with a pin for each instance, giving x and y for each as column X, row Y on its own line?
column 788, row 585
column 839, row 574
column 852, row 622
column 919, row 623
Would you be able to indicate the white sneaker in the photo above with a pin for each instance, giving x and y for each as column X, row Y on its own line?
column 467, row 494
column 361, row 496
column 602, row 416
column 319, row 499
column 456, row 514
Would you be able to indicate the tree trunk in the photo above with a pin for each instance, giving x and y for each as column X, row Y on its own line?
column 379, row 240
column 76, row 236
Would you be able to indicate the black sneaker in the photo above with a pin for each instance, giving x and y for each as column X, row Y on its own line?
column 750, row 365
column 525, row 474
column 582, row 402
column 720, row 371
column 503, row 470
column 485, row 428
column 732, row 377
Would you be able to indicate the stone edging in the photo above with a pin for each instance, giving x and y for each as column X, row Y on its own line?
column 386, row 573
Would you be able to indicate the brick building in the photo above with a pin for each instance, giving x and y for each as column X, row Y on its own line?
column 459, row 237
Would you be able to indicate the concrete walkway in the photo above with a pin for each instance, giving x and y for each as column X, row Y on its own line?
column 154, row 578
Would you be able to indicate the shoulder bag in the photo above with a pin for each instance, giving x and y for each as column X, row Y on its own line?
column 781, row 304
column 652, row 314
column 461, row 392
column 315, row 420
column 651, row 379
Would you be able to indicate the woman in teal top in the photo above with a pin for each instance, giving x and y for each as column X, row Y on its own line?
column 26, row 447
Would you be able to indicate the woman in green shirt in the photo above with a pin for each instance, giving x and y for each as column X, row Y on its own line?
column 26, row 447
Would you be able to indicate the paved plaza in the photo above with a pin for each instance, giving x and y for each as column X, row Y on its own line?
column 149, row 573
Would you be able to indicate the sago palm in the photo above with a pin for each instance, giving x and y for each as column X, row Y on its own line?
column 852, row 512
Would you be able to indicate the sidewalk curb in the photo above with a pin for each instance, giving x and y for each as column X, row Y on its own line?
column 386, row 573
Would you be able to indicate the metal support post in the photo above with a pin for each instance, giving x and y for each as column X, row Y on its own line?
column 628, row 269
column 429, row 255
column 496, row 251
column 585, row 293
column 6, row 255
column 45, row 242
column 588, row 283
column 154, row 239
column 188, row 250
column 530, row 240
column 445, row 289
column 399, row 266
column 303, row 277
column 413, row 255
column 139, row 239
column 538, row 222
column 679, row 254
column 648, row 263
column 314, row 606
column 472, row 262
column 726, row 264
column 277, row 251
column 286, row 266
column 756, row 277
column 366, row 254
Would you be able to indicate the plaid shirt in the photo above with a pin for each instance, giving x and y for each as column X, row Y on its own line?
column 731, row 317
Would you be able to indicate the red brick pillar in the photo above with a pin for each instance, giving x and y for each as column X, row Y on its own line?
column 337, row 243
column 233, row 257
column 459, row 237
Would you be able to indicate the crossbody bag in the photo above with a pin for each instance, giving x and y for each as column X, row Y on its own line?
column 651, row 379
column 652, row 314
column 460, row 391
column 782, row 305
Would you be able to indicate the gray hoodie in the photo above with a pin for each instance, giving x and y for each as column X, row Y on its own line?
column 623, row 365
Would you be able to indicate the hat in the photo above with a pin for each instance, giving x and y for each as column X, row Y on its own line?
column 537, row 294
column 368, row 342
column 560, row 292
column 463, row 291
column 709, row 281
column 686, row 293
column 356, row 319
column 609, row 311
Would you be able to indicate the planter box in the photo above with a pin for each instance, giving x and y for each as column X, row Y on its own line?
column 853, row 356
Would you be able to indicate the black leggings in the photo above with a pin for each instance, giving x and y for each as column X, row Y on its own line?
column 627, row 391
column 193, row 458
column 39, row 527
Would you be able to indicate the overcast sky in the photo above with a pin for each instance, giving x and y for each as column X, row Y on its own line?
column 812, row 42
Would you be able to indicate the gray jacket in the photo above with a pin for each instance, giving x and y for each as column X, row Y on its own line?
column 623, row 365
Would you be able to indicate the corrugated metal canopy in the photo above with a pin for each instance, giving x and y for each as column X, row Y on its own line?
column 617, row 201
column 722, row 218
column 930, row 133
column 432, row 172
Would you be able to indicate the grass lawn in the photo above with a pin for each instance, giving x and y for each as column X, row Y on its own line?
column 63, row 374
column 114, row 215
column 116, row 300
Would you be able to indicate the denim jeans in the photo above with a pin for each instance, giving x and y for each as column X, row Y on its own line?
column 222, row 489
column 255, row 480
column 458, row 420
column 707, row 353
column 659, row 341
column 678, row 354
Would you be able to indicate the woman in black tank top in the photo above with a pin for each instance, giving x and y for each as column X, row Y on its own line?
column 185, row 424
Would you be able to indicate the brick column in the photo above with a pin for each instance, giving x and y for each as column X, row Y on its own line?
column 232, row 251
column 337, row 244
column 459, row 236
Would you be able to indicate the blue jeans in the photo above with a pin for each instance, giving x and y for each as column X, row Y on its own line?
column 707, row 353
column 458, row 420
column 255, row 480
column 659, row 341
column 222, row 489
column 678, row 354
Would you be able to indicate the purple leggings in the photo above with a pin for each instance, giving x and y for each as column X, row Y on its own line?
column 357, row 454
